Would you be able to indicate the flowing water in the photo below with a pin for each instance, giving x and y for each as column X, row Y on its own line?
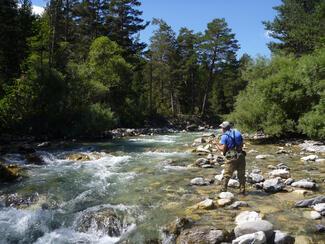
column 135, row 177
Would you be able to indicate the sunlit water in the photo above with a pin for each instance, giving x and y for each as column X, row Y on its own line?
column 134, row 177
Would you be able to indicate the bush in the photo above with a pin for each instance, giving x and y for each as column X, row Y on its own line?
column 283, row 96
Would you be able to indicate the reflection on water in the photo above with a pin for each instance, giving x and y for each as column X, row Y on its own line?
column 147, row 179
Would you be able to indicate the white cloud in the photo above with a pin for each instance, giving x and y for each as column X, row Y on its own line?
column 37, row 10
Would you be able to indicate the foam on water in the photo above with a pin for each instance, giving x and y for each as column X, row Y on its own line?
column 166, row 154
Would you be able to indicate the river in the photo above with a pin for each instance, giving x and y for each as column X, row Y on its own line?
column 135, row 177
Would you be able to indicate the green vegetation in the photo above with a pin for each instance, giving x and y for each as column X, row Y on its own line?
column 79, row 70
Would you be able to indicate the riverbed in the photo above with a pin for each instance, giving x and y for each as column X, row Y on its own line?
column 146, row 180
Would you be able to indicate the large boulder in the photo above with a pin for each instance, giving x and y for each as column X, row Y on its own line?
column 310, row 202
column 105, row 221
column 250, row 227
column 256, row 238
column 201, row 234
column 273, row 185
column 9, row 172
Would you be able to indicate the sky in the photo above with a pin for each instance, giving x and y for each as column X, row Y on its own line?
column 244, row 17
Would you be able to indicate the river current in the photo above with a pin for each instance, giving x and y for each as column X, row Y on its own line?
column 135, row 177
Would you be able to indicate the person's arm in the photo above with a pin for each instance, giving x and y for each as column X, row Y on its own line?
column 222, row 146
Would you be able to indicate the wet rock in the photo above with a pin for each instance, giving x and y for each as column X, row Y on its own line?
column 79, row 157
column 256, row 238
column 26, row 149
column 282, row 166
column 201, row 128
column 191, row 127
column 282, row 173
column 218, row 177
column 254, row 226
column 226, row 195
column 310, row 202
column 238, row 204
column 312, row 146
column 320, row 207
column 207, row 204
column 200, row 140
column 315, row 215
column 289, row 181
column 252, row 151
column 202, row 149
column 282, row 151
column 201, row 161
column 309, row 158
column 263, row 156
column 304, row 184
column 18, row 201
column 104, row 220
column 201, row 234
column 273, row 185
column 172, row 230
column 255, row 178
column 247, row 216
column 9, row 172
column 271, row 167
column 283, row 238
column 34, row 158
column 199, row 181
column 320, row 228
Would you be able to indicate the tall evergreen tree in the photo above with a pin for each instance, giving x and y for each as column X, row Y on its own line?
column 218, row 47
column 124, row 23
column 299, row 26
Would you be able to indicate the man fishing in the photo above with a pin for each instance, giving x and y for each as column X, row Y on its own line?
column 231, row 145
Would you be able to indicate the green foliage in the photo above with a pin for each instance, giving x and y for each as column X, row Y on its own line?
column 283, row 96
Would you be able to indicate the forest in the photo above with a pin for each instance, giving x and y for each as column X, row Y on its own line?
column 80, row 69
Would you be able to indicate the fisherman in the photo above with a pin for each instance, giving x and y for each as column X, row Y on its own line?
column 231, row 145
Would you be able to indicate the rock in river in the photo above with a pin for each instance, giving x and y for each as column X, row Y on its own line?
column 9, row 172
column 104, row 220
column 282, row 173
column 199, row 181
column 283, row 238
column 256, row 238
column 255, row 178
column 226, row 195
column 254, row 226
column 247, row 216
column 320, row 207
column 310, row 158
column 206, row 204
column 304, row 184
column 310, row 202
column 273, row 185
column 201, row 234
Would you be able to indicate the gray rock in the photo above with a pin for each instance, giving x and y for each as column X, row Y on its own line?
column 200, row 140
column 254, row 226
column 309, row 158
column 263, row 156
column 255, row 178
column 247, row 216
column 310, row 202
column 320, row 228
column 226, row 195
column 256, row 238
column 283, row 238
column 273, row 185
column 282, row 173
column 238, row 204
column 199, row 181
column 233, row 183
column 201, row 234
column 201, row 161
column 304, row 184
column 206, row 204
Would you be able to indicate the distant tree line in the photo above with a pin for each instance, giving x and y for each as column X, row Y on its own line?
column 81, row 69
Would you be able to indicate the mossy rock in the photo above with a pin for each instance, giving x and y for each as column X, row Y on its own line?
column 9, row 172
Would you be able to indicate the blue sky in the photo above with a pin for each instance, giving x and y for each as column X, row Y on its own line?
column 244, row 17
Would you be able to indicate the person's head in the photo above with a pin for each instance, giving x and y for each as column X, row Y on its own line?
column 225, row 125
